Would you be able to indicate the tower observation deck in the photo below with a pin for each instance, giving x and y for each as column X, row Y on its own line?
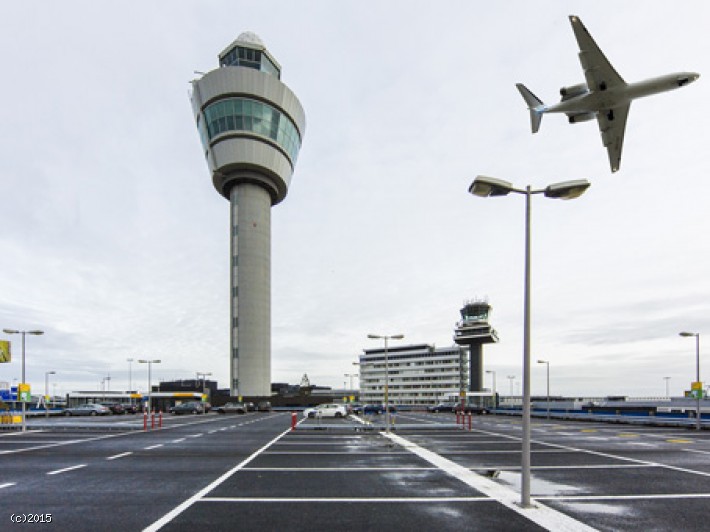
column 251, row 126
column 473, row 331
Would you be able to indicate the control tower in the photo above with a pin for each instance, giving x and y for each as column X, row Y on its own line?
column 473, row 331
column 251, row 126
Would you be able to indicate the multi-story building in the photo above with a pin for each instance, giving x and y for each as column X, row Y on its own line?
column 419, row 374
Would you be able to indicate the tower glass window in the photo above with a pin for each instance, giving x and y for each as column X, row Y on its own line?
column 243, row 114
column 250, row 58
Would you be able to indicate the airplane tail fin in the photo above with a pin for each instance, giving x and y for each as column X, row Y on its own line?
column 535, row 106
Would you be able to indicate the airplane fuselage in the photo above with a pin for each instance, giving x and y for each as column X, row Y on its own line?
column 594, row 101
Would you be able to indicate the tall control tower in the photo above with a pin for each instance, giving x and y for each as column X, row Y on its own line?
column 473, row 331
column 251, row 126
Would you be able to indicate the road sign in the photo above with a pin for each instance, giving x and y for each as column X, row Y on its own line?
column 24, row 392
column 696, row 385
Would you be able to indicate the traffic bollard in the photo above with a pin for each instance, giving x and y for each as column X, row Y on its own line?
column 145, row 420
column 160, row 420
column 294, row 418
column 470, row 421
column 152, row 419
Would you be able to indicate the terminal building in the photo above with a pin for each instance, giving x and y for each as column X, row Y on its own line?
column 419, row 374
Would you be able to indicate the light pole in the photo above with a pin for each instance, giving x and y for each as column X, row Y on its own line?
column 46, row 391
column 495, row 390
column 203, row 375
column 511, row 378
column 547, row 362
column 150, row 386
column 699, row 390
column 130, row 375
column 24, row 384
column 351, row 375
column 667, row 379
column 387, row 374
column 489, row 186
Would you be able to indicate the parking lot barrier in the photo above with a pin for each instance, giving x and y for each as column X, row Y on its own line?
column 160, row 420
column 294, row 419
column 152, row 419
column 145, row 420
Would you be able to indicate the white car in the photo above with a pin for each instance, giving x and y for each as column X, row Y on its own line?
column 326, row 410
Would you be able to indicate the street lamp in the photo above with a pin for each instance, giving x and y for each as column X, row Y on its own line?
column 24, row 384
column 46, row 391
column 387, row 374
column 699, row 390
column 203, row 375
column 493, row 373
column 150, row 386
column 548, row 384
column 489, row 186
column 130, row 376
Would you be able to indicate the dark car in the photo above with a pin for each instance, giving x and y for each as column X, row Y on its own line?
column 263, row 406
column 131, row 408
column 232, row 408
column 191, row 407
column 443, row 407
column 115, row 408
column 377, row 409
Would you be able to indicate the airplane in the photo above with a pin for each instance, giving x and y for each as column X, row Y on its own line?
column 605, row 95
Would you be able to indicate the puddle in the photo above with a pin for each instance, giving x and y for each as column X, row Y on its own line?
column 538, row 486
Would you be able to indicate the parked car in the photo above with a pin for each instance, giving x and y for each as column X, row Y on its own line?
column 131, row 408
column 232, row 408
column 88, row 409
column 377, row 409
column 115, row 408
column 329, row 410
column 355, row 408
column 443, row 407
column 310, row 412
column 472, row 409
column 264, row 406
column 191, row 407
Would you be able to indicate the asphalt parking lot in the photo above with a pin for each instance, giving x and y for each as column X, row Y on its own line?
column 252, row 472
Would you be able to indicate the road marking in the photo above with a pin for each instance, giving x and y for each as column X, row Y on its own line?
column 157, row 525
column 64, row 470
column 178, row 440
column 7, row 485
column 348, row 499
column 540, row 514
column 196, row 435
column 152, row 447
column 589, row 430
column 696, row 451
column 624, row 497
column 627, row 435
column 121, row 455
column 679, row 440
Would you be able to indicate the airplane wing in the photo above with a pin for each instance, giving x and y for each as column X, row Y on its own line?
column 612, row 125
column 598, row 71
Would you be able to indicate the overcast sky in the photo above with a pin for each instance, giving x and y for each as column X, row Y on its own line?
column 114, row 242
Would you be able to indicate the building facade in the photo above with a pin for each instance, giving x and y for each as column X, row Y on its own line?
column 419, row 374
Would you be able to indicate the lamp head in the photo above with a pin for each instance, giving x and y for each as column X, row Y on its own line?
column 685, row 333
column 485, row 186
column 567, row 189
column 10, row 331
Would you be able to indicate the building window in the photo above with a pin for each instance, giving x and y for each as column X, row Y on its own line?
column 250, row 58
column 242, row 114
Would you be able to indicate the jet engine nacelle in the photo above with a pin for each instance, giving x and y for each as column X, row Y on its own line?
column 574, row 90
column 581, row 117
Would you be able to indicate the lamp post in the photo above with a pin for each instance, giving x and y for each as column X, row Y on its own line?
column 489, row 186
column 511, row 378
column 667, row 379
column 46, row 391
column 24, row 384
column 130, row 375
column 547, row 362
column 387, row 374
column 351, row 375
column 493, row 374
column 699, row 390
column 203, row 375
column 150, row 386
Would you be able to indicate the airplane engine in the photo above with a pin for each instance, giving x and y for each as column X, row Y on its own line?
column 581, row 117
column 574, row 90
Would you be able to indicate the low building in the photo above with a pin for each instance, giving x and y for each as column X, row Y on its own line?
column 419, row 374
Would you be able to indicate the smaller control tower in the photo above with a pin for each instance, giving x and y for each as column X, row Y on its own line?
column 473, row 331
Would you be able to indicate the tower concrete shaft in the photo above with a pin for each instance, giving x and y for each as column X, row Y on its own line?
column 473, row 331
column 251, row 126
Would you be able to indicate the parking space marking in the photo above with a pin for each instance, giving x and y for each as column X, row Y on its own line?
column 7, row 485
column 539, row 513
column 120, row 455
column 178, row 440
column 649, row 496
column 697, row 451
column 152, row 447
column 348, row 499
column 167, row 518
column 339, row 469
column 65, row 469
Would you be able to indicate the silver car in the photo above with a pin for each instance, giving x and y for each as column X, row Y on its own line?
column 89, row 409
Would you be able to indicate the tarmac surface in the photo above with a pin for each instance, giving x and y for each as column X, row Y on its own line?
column 251, row 472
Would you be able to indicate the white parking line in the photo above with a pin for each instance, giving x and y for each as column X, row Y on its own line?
column 64, row 470
column 152, row 447
column 7, row 485
column 540, row 514
column 178, row 440
column 120, row 455
column 157, row 525
column 348, row 499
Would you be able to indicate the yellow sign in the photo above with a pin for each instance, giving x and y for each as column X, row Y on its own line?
column 696, row 385
column 5, row 355
column 24, row 392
